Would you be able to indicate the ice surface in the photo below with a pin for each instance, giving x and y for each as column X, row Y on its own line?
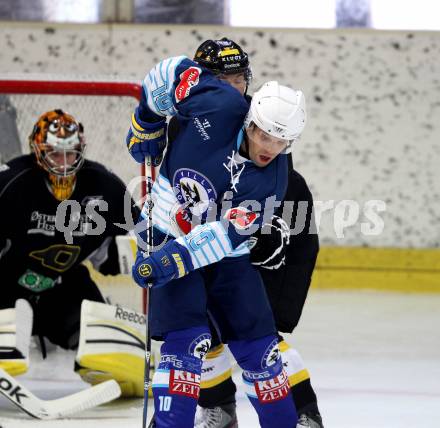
column 374, row 360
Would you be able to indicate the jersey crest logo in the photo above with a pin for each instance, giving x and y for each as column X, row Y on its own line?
column 188, row 79
column 241, row 217
column 194, row 191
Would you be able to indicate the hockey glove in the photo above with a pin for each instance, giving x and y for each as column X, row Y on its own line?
column 170, row 262
column 146, row 139
column 268, row 250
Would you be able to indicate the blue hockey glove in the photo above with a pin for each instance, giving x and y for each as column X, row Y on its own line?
column 146, row 139
column 170, row 262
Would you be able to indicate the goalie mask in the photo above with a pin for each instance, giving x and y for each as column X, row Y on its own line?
column 279, row 111
column 224, row 57
column 57, row 141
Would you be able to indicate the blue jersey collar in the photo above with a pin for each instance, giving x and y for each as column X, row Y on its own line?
column 240, row 138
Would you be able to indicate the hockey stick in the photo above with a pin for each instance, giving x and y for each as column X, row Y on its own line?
column 149, row 175
column 58, row 408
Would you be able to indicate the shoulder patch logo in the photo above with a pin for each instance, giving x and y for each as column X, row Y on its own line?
column 188, row 79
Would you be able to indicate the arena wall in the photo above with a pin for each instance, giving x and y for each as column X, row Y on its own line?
column 373, row 103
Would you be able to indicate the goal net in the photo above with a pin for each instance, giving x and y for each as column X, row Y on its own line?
column 104, row 108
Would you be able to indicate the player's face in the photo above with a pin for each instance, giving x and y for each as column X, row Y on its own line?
column 263, row 148
column 61, row 160
column 238, row 81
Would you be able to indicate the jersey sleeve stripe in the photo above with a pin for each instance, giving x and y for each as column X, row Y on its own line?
column 163, row 230
column 207, row 243
column 216, row 250
column 207, row 257
column 163, row 200
column 165, row 187
column 163, row 76
column 162, row 224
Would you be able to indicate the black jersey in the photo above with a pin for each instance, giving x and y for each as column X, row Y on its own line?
column 304, row 243
column 287, row 286
column 33, row 253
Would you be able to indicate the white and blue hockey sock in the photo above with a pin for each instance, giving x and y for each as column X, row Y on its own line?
column 176, row 381
column 266, row 383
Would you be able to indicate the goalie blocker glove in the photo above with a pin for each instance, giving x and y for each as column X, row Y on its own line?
column 268, row 245
column 170, row 262
column 146, row 139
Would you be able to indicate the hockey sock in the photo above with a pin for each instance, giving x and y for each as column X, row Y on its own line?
column 217, row 387
column 266, row 382
column 299, row 379
column 176, row 382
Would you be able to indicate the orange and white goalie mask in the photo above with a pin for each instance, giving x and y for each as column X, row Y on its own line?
column 58, row 143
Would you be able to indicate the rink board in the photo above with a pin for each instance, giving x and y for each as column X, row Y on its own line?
column 384, row 269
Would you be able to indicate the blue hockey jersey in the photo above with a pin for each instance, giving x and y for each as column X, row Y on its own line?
column 226, row 195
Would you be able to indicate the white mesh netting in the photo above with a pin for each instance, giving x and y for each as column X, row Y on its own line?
column 105, row 118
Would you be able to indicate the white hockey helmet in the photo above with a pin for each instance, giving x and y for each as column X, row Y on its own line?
column 279, row 111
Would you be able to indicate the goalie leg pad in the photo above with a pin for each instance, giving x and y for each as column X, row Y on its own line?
column 265, row 380
column 112, row 346
column 15, row 336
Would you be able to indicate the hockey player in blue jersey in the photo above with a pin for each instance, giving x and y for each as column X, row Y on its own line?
column 284, row 262
column 225, row 179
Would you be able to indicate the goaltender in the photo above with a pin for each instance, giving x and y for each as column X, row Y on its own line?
column 43, row 265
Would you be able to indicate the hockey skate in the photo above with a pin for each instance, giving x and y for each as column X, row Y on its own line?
column 307, row 420
column 216, row 417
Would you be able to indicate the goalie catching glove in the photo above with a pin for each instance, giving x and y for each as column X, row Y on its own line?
column 268, row 245
column 170, row 262
column 146, row 139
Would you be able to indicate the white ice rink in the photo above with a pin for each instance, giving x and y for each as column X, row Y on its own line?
column 374, row 360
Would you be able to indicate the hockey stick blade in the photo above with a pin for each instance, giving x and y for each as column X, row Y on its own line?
column 61, row 407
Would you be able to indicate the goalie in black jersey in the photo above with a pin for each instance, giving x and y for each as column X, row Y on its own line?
column 42, row 251
column 285, row 263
